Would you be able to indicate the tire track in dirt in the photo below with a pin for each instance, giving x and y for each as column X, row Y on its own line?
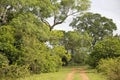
column 70, row 75
column 83, row 74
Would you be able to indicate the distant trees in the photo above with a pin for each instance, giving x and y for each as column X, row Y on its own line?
column 78, row 44
column 25, row 22
column 25, row 32
column 95, row 25
column 28, row 43
column 97, row 28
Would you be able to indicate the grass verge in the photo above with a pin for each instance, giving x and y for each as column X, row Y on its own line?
column 62, row 74
column 93, row 74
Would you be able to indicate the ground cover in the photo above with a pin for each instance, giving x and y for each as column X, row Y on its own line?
column 69, row 73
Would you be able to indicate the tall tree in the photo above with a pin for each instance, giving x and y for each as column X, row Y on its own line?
column 66, row 8
column 59, row 10
column 73, row 40
column 95, row 25
column 78, row 44
column 10, row 8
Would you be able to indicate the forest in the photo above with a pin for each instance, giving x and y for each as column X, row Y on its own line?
column 29, row 44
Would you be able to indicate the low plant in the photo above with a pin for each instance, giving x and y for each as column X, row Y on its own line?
column 110, row 67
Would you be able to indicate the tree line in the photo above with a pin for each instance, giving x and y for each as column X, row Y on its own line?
column 30, row 45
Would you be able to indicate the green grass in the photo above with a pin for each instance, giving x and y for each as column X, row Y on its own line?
column 62, row 74
column 94, row 75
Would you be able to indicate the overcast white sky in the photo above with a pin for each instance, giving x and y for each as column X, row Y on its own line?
column 108, row 8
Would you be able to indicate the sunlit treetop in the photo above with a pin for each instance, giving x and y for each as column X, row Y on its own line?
column 43, row 9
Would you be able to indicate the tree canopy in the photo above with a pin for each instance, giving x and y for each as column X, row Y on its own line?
column 29, row 43
column 95, row 25
column 59, row 10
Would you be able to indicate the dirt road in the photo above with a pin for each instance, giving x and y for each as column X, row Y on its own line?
column 70, row 76
column 83, row 75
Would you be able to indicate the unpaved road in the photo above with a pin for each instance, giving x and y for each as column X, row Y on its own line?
column 83, row 75
column 70, row 76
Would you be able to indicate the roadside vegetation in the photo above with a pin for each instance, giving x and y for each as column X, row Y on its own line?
column 30, row 47
column 62, row 74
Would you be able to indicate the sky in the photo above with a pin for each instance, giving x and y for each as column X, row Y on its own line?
column 107, row 8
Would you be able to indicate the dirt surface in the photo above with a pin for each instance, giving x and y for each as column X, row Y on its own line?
column 83, row 75
column 70, row 75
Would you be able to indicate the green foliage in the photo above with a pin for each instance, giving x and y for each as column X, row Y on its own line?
column 3, row 64
column 110, row 67
column 45, row 63
column 3, row 61
column 31, row 35
column 65, row 8
column 95, row 25
column 23, row 43
column 6, row 34
column 11, row 72
column 80, row 58
column 7, row 43
column 61, row 75
column 62, row 53
column 75, row 40
column 28, row 24
column 78, row 44
column 43, row 9
column 11, row 8
column 56, row 37
column 24, row 32
column 14, row 71
column 108, row 48
column 56, row 43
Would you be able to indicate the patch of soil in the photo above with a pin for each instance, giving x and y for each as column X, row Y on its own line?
column 83, row 75
column 70, row 75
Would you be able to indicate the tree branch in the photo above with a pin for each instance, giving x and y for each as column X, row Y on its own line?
column 56, row 23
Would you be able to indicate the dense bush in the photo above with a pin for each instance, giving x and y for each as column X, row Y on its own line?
column 107, row 48
column 13, row 71
column 111, row 67
column 3, row 64
column 23, row 48
column 80, row 58
column 45, row 63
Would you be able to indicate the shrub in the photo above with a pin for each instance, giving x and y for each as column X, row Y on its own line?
column 3, row 64
column 3, row 61
column 107, row 48
column 110, row 67
column 45, row 63
column 13, row 72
